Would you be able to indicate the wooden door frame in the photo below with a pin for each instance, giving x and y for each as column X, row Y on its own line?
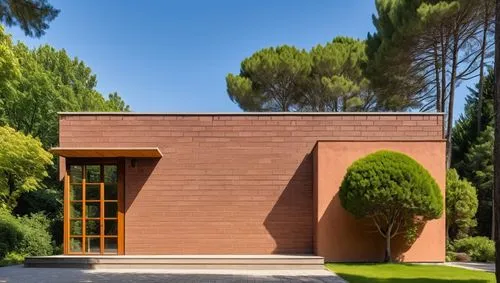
column 120, row 162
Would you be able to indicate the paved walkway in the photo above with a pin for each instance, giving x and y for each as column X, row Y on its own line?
column 490, row 267
column 63, row 275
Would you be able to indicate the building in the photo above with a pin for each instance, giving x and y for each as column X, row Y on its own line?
column 233, row 183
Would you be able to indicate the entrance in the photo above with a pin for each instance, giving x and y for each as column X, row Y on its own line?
column 93, row 208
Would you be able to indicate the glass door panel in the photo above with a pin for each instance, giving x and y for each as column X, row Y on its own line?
column 93, row 209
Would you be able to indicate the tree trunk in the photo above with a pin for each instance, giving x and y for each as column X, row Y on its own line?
column 496, row 154
column 481, row 68
column 439, row 97
column 451, row 99
column 444, row 54
column 387, row 257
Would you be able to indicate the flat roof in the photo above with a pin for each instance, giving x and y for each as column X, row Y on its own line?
column 248, row 113
column 103, row 152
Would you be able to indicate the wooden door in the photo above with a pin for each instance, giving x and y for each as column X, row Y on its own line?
column 93, row 208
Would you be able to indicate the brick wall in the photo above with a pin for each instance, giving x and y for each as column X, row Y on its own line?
column 228, row 183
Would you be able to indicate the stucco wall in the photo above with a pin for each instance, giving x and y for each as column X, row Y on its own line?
column 341, row 237
column 228, row 183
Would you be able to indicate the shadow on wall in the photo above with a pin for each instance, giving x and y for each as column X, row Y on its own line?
column 136, row 175
column 357, row 240
column 290, row 220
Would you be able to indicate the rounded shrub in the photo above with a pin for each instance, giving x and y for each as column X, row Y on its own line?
column 387, row 179
column 479, row 249
column 393, row 190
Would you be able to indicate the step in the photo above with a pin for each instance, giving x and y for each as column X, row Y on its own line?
column 260, row 262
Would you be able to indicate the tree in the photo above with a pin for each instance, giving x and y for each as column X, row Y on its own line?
column 51, row 81
column 116, row 103
column 337, row 81
column 496, row 153
column 461, row 205
column 479, row 165
column 32, row 16
column 423, row 49
column 328, row 78
column 270, row 79
column 465, row 131
column 23, row 163
column 392, row 190
column 9, row 72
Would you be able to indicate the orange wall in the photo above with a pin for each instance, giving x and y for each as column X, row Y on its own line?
column 230, row 183
column 341, row 237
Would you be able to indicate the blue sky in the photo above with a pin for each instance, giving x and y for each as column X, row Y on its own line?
column 173, row 56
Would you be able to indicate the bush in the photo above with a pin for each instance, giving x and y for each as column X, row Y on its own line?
column 36, row 237
column 12, row 258
column 10, row 233
column 479, row 249
column 461, row 205
column 24, row 236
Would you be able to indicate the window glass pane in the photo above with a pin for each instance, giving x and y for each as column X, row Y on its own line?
column 75, row 173
column 111, row 245
column 93, row 227
column 75, row 192
column 75, row 227
column 75, row 245
column 93, row 245
column 110, row 227
column 92, row 192
column 93, row 210
column 75, row 210
column 110, row 209
column 110, row 173
column 93, row 174
column 110, row 192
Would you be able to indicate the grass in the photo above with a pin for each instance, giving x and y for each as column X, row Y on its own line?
column 407, row 273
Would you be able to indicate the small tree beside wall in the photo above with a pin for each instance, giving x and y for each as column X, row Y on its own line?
column 394, row 191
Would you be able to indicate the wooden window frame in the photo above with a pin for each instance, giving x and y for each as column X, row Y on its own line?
column 120, row 236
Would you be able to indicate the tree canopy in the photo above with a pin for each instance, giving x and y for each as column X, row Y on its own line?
column 329, row 77
column 23, row 163
column 394, row 191
column 32, row 16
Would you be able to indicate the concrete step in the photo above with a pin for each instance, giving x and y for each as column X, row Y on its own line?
column 260, row 262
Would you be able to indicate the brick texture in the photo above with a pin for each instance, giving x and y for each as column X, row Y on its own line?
column 228, row 184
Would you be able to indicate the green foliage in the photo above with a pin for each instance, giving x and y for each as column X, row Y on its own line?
column 51, row 82
column 36, row 236
column 393, row 190
column 10, row 233
column 461, row 205
column 12, row 258
column 328, row 78
column 270, row 79
column 27, row 235
column 33, row 16
column 473, row 150
column 23, row 164
column 390, row 181
column 479, row 249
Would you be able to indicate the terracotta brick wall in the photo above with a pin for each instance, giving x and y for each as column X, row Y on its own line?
column 240, row 184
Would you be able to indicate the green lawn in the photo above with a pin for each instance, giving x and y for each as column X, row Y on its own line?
column 407, row 273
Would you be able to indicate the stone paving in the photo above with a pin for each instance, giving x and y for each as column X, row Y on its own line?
column 63, row 275
column 490, row 267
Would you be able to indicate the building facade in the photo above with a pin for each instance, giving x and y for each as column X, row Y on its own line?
column 234, row 183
